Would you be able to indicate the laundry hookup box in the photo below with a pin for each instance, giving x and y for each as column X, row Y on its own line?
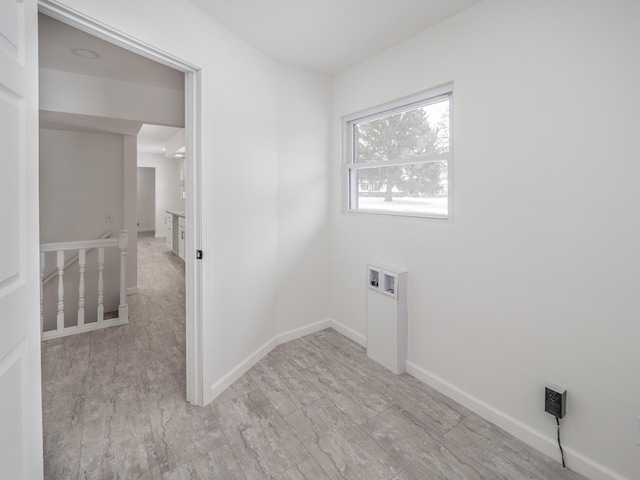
column 387, row 317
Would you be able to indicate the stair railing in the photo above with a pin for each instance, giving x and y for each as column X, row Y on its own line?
column 82, row 247
column 71, row 261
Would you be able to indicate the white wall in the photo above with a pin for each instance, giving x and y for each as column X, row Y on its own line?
column 101, row 97
column 81, row 180
column 167, row 195
column 130, row 200
column 303, row 180
column 146, row 199
column 535, row 280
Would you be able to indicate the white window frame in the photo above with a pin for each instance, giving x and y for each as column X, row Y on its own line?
column 424, row 98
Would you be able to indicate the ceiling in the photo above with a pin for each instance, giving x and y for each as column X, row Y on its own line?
column 328, row 36
column 57, row 41
column 151, row 138
column 87, row 123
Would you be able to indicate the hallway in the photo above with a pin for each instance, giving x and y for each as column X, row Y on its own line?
column 98, row 387
column 314, row 408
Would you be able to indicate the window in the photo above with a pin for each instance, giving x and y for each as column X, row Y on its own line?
column 399, row 157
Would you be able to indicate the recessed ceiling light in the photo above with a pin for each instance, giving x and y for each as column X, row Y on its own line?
column 81, row 52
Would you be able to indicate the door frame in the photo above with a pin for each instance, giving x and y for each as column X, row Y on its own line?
column 193, row 183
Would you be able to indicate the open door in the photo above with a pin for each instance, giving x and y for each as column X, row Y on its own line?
column 20, row 390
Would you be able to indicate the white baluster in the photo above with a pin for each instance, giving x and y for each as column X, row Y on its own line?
column 100, row 284
column 60, row 265
column 123, row 309
column 42, row 255
column 81, row 263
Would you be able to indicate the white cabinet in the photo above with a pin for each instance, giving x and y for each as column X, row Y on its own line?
column 181, row 237
column 387, row 317
column 168, row 221
column 175, row 233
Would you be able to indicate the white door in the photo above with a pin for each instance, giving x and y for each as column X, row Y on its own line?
column 20, row 389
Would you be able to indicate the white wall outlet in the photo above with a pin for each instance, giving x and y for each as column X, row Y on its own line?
column 108, row 218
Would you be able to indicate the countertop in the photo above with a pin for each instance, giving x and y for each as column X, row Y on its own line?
column 177, row 214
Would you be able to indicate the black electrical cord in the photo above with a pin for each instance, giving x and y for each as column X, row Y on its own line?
column 560, row 444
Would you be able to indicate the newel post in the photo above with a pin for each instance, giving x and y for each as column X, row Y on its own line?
column 123, row 309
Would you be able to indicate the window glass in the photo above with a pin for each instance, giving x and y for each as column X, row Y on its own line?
column 399, row 159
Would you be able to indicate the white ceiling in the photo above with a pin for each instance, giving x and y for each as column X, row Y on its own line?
column 57, row 41
column 328, row 36
column 152, row 138
column 87, row 123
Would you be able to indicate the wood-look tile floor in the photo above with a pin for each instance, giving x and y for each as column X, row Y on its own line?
column 313, row 408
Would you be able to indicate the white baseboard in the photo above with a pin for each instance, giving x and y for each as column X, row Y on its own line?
column 303, row 331
column 349, row 333
column 145, row 230
column 245, row 365
column 242, row 368
column 546, row 445
column 87, row 327
column 132, row 291
column 160, row 235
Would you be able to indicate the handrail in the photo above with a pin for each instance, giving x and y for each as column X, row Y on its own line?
column 73, row 245
column 82, row 247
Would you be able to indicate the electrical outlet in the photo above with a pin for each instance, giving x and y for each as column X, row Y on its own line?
column 108, row 218
column 555, row 400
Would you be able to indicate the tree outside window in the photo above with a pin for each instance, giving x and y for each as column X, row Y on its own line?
column 400, row 160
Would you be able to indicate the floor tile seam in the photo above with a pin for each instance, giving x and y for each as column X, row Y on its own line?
column 399, row 463
column 373, row 439
column 59, row 381
column 307, row 370
column 206, row 455
column 396, row 456
column 387, row 399
column 406, row 471
column 457, row 424
column 417, row 436
column 353, row 421
column 479, row 459
column 67, row 427
column 284, row 415
column 176, row 467
column 143, row 435
column 434, row 433
column 443, row 402
column 246, row 394
column 354, row 394
column 436, row 430
column 52, row 401
column 130, row 379
column 228, row 443
column 464, row 425
column 158, row 451
column 283, row 379
column 317, row 460
column 303, row 443
column 380, row 391
column 80, row 448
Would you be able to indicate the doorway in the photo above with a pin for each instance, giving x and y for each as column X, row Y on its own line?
column 193, row 298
